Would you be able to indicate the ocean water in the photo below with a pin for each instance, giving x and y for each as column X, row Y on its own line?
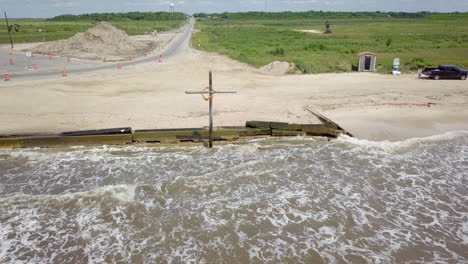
column 268, row 201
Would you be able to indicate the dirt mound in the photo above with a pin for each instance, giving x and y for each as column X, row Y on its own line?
column 102, row 40
column 280, row 68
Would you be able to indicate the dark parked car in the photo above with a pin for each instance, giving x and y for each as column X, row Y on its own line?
column 445, row 72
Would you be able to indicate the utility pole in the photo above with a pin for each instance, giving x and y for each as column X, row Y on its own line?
column 8, row 29
column 211, row 92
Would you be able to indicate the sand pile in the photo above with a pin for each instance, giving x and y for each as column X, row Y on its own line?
column 102, row 40
column 280, row 68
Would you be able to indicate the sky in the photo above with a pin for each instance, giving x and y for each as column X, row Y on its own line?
column 50, row 8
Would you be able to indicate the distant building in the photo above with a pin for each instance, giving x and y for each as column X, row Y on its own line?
column 367, row 61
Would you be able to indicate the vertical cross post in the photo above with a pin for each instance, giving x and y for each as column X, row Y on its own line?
column 210, row 95
column 211, row 92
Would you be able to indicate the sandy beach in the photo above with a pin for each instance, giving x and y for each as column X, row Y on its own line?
column 371, row 106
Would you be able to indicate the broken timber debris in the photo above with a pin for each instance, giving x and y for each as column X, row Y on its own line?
column 327, row 121
column 286, row 133
column 181, row 135
column 124, row 136
column 286, row 129
column 110, row 131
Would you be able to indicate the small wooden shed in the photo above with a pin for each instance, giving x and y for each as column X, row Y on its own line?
column 367, row 61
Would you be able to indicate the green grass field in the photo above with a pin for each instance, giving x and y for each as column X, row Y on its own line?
column 429, row 41
column 34, row 30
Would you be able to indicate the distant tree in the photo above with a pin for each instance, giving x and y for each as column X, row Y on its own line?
column 310, row 15
column 152, row 16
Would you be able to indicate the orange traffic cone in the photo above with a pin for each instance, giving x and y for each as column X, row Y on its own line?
column 68, row 59
column 11, row 62
column 160, row 58
column 7, row 77
column 119, row 66
column 64, row 72
column 50, row 57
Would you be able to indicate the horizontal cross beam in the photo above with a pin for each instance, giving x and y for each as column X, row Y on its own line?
column 207, row 92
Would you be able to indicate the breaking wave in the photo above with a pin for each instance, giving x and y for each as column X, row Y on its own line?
column 270, row 201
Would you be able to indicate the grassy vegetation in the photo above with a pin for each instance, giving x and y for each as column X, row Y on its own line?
column 62, row 27
column 430, row 40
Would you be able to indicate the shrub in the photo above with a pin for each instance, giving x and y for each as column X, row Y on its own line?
column 308, row 46
column 418, row 61
column 315, row 46
column 389, row 41
column 277, row 51
column 301, row 64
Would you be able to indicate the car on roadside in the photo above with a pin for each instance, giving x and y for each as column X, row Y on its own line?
column 445, row 72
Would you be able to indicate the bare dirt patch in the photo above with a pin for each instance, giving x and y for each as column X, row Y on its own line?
column 311, row 31
column 280, row 68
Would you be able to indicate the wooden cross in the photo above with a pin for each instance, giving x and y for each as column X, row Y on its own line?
column 210, row 94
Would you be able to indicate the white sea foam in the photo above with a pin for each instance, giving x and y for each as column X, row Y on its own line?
column 401, row 146
column 270, row 202
column 124, row 193
column 463, row 232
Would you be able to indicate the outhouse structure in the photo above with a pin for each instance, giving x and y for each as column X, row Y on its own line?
column 367, row 61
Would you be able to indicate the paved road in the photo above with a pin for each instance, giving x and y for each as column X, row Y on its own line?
column 48, row 69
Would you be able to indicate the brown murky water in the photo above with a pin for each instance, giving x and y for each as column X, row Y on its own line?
column 269, row 201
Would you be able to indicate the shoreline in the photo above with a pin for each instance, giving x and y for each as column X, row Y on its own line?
column 153, row 96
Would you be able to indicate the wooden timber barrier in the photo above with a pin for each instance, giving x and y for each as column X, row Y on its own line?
column 126, row 136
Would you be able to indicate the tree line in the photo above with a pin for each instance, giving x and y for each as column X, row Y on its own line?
column 151, row 16
column 316, row 15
